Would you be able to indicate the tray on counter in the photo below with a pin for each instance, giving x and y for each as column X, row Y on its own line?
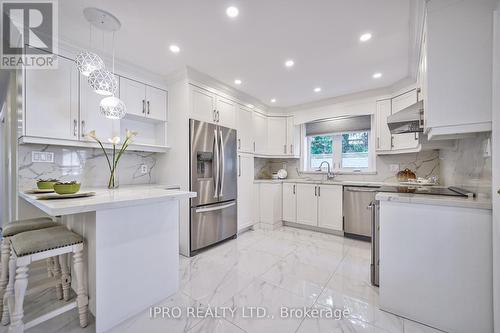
column 65, row 196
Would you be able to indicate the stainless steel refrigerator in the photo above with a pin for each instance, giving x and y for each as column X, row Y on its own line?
column 213, row 176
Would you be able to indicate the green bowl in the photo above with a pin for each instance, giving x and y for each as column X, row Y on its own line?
column 45, row 185
column 67, row 188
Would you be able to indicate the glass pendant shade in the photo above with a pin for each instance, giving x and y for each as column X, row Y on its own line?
column 112, row 107
column 87, row 62
column 103, row 82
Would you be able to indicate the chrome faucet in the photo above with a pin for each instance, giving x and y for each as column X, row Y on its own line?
column 329, row 175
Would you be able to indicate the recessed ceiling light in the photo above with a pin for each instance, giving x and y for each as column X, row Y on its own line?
column 365, row 37
column 289, row 63
column 273, row 100
column 174, row 48
column 237, row 81
column 377, row 75
column 232, row 12
column 317, row 89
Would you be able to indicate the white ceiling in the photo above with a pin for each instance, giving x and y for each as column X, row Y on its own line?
column 321, row 36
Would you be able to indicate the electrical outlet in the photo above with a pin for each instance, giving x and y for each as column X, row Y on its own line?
column 42, row 157
column 144, row 168
column 394, row 167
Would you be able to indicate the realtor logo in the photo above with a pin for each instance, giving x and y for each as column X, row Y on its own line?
column 29, row 32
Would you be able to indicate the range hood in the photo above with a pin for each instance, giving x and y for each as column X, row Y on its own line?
column 408, row 120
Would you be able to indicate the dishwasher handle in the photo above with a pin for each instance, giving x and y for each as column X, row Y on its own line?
column 361, row 189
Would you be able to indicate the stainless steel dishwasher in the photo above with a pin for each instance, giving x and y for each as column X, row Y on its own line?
column 358, row 212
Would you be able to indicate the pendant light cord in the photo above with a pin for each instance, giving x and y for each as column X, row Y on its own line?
column 113, row 52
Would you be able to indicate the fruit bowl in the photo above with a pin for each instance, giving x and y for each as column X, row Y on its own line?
column 67, row 188
column 46, row 184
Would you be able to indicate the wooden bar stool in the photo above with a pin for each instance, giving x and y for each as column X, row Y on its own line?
column 31, row 246
column 11, row 229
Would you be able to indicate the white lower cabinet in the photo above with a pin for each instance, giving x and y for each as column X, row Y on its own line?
column 330, row 214
column 245, row 191
column 313, row 204
column 307, row 204
column 270, row 200
column 289, row 202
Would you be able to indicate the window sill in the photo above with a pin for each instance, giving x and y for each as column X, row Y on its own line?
column 339, row 172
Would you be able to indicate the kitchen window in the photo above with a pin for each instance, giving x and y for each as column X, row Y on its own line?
column 343, row 143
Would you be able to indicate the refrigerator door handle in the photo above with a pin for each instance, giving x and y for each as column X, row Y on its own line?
column 211, row 209
column 216, row 160
column 222, row 168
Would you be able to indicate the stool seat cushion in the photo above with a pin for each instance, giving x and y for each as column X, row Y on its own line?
column 35, row 241
column 16, row 227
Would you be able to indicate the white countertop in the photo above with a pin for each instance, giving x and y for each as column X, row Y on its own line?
column 440, row 200
column 124, row 196
column 326, row 182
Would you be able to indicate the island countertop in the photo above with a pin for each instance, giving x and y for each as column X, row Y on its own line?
column 439, row 200
column 124, row 196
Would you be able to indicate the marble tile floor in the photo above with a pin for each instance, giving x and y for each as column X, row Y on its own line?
column 287, row 267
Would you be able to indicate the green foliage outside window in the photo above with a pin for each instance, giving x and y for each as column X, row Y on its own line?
column 355, row 142
column 322, row 145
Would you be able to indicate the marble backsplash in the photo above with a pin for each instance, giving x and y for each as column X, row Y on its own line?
column 86, row 165
column 424, row 164
column 467, row 166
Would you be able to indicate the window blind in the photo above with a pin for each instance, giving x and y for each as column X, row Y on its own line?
column 336, row 125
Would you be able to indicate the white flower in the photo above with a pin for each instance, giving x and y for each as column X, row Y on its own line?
column 92, row 135
column 130, row 134
column 115, row 140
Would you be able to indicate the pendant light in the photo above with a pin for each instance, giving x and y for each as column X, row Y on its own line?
column 87, row 61
column 101, row 80
column 112, row 107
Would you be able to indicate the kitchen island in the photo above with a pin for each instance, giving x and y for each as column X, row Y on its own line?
column 436, row 260
column 132, row 246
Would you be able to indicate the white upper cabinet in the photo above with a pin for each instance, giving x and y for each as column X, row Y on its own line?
column 307, row 204
column 459, row 45
column 51, row 102
column 210, row 107
column 388, row 143
column 133, row 94
column 292, row 138
column 405, row 140
column 260, row 133
column 60, row 108
column 245, row 129
column 289, row 202
column 384, row 137
column 202, row 104
column 91, row 117
column 330, row 214
column 143, row 100
column 156, row 103
column 226, row 112
column 276, row 137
